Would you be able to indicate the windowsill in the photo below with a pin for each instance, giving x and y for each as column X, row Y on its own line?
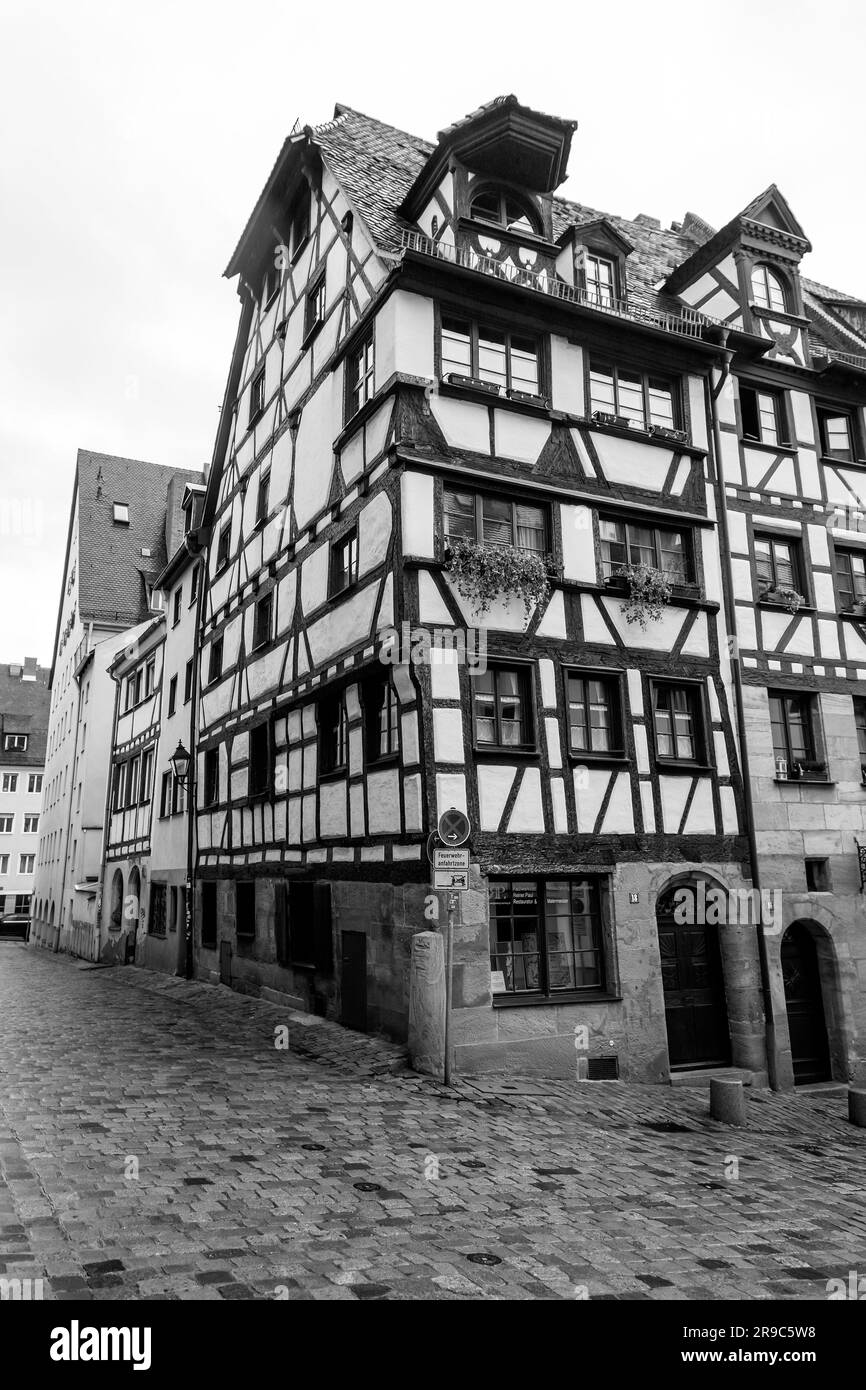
column 780, row 607
column 571, row 996
column 842, row 463
column 779, row 448
column 491, row 395
column 805, row 781
column 496, row 750
column 600, row 759
column 341, row 593
column 682, row 767
column 335, row 774
column 386, row 760
column 852, row 616
column 311, row 333
column 261, row 794
column 261, row 646
column 643, row 435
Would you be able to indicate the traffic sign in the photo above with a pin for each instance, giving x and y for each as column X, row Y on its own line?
column 451, row 859
column 454, row 826
column 455, row 880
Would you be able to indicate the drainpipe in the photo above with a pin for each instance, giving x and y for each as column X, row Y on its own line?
column 195, row 549
column 726, row 356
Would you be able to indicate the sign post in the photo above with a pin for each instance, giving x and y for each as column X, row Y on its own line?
column 451, row 871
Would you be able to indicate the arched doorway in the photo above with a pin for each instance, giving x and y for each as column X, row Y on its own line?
column 807, row 1025
column 116, row 915
column 696, row 1013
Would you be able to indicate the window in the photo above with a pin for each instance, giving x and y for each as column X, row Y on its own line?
column 657, row 547
column 119, row 786
column 156, row 925
column 245, row 908
column 22, row 903
column 505, row 209
column 211, row 776
column 178, row 600
column 178, row 797
column 4, row 863
column 851, row 577
column 215, row 662
column 764, row 416
column 262, row 621
column 547, row 935
column 262, row 498
column 381, row 719
column 146, row 775
column 172, row 696
column 165, row 794
column 149, row 678
column 260, row 758
column 333, row 735
column 594, row 720
column 209, row 914
column 504, row 359
column 132, row 782
column 9, row 782
column 300, row 222
column 836, row 433
column 187, row 682
column 193, row 585
column 768, row 289
column 130, row 693
column 26, row 863
column 272, row 281
column 139, row 682
column 641, row 398
column 502, row 708
column 818, row 875
column 777, row 564
column 344, row 562
column 257, row 395
column 15, row 743
column 600, row 279
column 490, row 520
column 796, row 736
column 314, row 315
column 304, row 926
column 121, row 513
column 860, row 722
column 677, row 721
column 34, row 782
column 360, row 371
column 31, row 825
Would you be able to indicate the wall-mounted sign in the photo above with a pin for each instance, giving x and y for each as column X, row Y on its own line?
column 457, row 880
column 497, row 981
column 454, row 826
column 450, row 859
column 634, row 897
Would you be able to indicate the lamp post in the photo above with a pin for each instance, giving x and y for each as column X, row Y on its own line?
column 181, row 765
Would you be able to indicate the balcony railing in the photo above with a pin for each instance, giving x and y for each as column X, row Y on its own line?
column 850, row 359
column 688, row 322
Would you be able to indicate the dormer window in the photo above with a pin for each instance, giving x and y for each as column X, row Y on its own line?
column 504, row 209
column 769, row 290
column 600, row 279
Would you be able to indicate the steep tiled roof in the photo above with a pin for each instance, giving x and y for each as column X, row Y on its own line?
column 111, row 567
column 376, row 164
column 24, row 709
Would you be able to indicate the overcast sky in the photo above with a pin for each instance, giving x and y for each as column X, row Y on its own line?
column 136, row 137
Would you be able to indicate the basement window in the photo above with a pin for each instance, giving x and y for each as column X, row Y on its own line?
column 818, row 875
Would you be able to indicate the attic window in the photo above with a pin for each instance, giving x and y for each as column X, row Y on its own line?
column 600, row 279
column 505, row 210
column 121, row 513
column 768, row 290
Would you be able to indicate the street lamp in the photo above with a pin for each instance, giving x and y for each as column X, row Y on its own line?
column 180, row 763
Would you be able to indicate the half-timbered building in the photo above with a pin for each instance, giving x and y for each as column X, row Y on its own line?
column 470, row 547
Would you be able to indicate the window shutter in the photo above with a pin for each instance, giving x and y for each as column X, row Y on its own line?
column 281, row 922
column 323, row 935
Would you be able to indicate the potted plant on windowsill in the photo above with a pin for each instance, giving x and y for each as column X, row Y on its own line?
column 648, row 592
column 482, row 573
column 607, row 417
column 856, row 610
column 783, row 596
column 809, row 769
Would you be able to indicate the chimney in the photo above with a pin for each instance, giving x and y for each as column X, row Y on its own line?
column 29, row 668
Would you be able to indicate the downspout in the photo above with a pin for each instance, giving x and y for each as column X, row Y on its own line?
column 714, row 391
column 56, row 947
column 106, row 815
column 195, row 550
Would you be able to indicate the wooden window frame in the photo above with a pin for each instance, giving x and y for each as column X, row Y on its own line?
column 599, row 916
column 157, row 910
column 531, row 212
column 315, row 305
column 348, row 538
column 211, row 777
column 263, row 499
column 795, row 542
column 257, row 396
column 842, row 557
column 819, row 771
column 172, row 696
column 224, row 545
column 372, row 706
column 265, row 603
column 859, row 703
column 612, row 682
column 258, row 763
column 215, row 661
column 360, row 375
column 783, row 283
column 779, row 397
column 338, row 729
column 525, row 670
column 484, row 495
column 701, row 729
column 823, row 412
column 673, row 383
column 476, row 328
column 657, row 528
column 177, row 605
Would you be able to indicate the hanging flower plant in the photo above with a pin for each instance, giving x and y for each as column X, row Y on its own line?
column 788, row 598
column 482, row 573
column 649, row 592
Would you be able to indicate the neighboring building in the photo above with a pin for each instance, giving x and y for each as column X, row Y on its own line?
column 125, row 520
column 24, row 704
column 144, row 894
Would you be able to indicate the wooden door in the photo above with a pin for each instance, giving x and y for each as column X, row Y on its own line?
column 807, row 1026
column 353, row 980
column 695, row 1010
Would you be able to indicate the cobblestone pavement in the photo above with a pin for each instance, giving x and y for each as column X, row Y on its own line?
column 154, row 1143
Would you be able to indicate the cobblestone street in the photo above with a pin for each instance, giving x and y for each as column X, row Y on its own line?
column 155, row 1143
